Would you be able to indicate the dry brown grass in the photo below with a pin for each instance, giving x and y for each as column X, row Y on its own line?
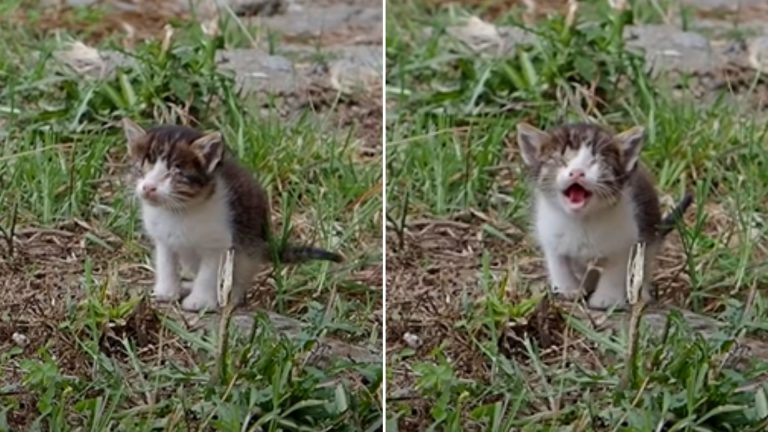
column 43, row 298
column 434, row 295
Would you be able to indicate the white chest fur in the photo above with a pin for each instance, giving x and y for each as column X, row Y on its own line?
column 604, row 234
column 205, row 227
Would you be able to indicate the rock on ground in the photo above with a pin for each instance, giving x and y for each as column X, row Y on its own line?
column 669, row 49
column 350, row 69
column 356, row 68
column 721, row 5
column 240, row 7
column 315, row 21
column 258, row 71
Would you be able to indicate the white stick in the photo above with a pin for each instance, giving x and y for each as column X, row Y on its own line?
column 226, row 279
column 635, row 273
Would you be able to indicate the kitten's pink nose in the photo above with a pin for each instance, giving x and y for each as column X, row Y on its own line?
column 576, row 174
column 149, row 188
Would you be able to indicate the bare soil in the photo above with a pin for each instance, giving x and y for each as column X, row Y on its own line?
column 434, row 272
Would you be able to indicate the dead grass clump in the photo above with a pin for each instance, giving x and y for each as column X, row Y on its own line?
column 430, row 283
column 440, row 300
column 545, row 326
column 141, row 329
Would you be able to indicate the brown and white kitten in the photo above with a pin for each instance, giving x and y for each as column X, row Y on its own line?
column 196, row 203
column 593, row 200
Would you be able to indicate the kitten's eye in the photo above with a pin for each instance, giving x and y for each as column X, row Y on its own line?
column 177, row 166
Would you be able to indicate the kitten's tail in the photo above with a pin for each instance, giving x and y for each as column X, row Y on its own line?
column 299, row 254
column 669, row 221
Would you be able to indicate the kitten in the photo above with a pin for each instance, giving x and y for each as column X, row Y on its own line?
column 196, row 203
column 593, row 199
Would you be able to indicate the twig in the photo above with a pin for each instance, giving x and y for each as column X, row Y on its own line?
column 36, row 151
column 400, row 226
column 243, row 28
column 467, row 166
column 530, row 12
column 635, row 280
column 11, row 390
column 11, row 233
column 427, row 136
column 570, row 17
column 72, row 179
column 619, row 5
column 226, row 276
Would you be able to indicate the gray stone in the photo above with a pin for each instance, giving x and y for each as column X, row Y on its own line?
column 719, row 29
column 483, row 37
column 350, row 68
column 90, row 62
column 669, row 49
column 312, row 21
column 325, row 352
column 356, row 67
column 258, row 71
column 721, row 5
column 758, row 54
column 514, row 36
column 240, row 7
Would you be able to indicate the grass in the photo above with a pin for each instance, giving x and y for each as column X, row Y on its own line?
column 80, row 345
column 472, row 345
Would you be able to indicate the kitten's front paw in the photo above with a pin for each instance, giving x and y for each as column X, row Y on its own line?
column 607, row 299
column 166, row 292
column 567, row 293
column 195, row 302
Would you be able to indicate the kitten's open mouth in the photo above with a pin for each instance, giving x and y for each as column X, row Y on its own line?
column 577, row 195
column 150, row 198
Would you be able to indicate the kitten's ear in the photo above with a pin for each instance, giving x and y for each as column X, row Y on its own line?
column 210, row 150
column 530, row 139
column 631, row 142
column 133, row 136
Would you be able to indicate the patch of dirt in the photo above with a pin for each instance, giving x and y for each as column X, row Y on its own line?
column 544, row 326
column 141, row 327
column 43, row 276
column 134, row 20
column 361, row 110
column 128, row 25
column 362, row 113
column 750, row 12
column 492, row 10
column 368, row 123
column 734, row 78
column 40, row 287
column 339, row 37
column 432, row 269
column 42, row 292
column 45, row 300
column 435, row 299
